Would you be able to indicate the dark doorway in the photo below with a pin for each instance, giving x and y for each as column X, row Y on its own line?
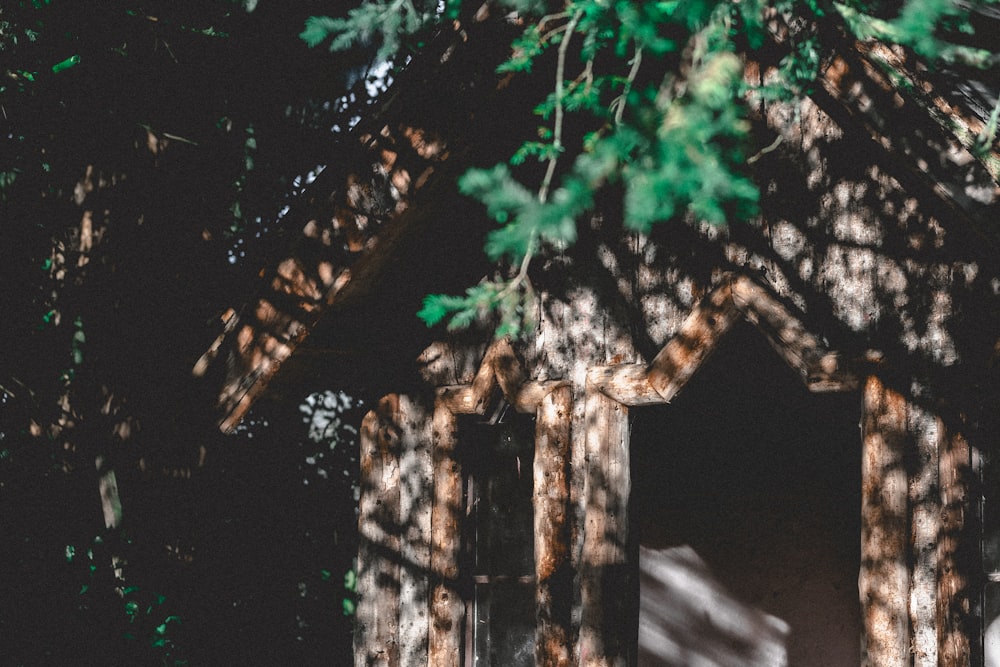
column 745, row 514
column 498, row 567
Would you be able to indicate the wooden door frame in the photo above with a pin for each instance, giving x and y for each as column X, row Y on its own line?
column 551, row 402
column 604, row 639
column 914, row 598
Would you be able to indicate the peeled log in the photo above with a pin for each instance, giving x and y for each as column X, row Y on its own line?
column 883, row 582
column 553, row 572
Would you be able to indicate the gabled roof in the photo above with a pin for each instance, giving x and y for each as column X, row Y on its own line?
column 351, row 238
column 890, row 97
column 394, row 178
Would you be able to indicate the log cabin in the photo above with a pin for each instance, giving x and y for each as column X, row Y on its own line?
column 770, row 443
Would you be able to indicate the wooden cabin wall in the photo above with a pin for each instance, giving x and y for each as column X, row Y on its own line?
column 395, row 512
column 885, row 255
column 879, row 259
column 874, row 258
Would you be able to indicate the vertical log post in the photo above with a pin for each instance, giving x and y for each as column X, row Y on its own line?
column 604, row 564
column 925, row 524
column 415, row 502
column 883, row 583
column 376, row 635
column 446, row 606
column 553, row 571
column 953, row 585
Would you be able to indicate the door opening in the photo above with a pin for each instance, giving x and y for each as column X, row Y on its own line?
column 498, row 540
column 745, row 517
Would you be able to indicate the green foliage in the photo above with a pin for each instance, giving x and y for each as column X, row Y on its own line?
column 675, row 146
column 72, row 61
column 660, row 87
column 146, row 626
column 390, row 24
column 147, row 623
column 349, row 593
column 146, row 117
column 350, row 601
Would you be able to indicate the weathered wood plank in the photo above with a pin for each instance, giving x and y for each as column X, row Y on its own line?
column 508, row 369
column 627, row 384
column 883, row 583
column 461, row 399
column 953, row 586
column 604, row 639
column 820, row 369
column 415, row 503
column 924, row 150
column 577, row 503
column 449, row 363
column 485, row 384
column 531, row 394
column 925, row 525
column 903, row 114
column 500, row 370
column 376, row 634
column 553, row 572
column 952, row 119
column 446, row 606
column 681, row 357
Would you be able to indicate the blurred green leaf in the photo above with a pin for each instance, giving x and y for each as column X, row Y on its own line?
column 63, row 65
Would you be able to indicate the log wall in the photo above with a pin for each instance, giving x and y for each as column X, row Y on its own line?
column 913, row 584
column 376, row 637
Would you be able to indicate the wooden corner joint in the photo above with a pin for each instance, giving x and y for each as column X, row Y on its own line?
column 501, row 371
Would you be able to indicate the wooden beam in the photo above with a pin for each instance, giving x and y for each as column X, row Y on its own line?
column 604, row 639
column 577, row 503
column 499, row 370
column 926, row 143
column 531, row 394
column 461, row 399
column 680, row 358
column 820, row 369
column 953, row 586
column 883, row 583
column 446, row 606
column 627, row 384
column 885, row 62
column 508, row 369
column 485, row 384
column 376, row 634
column 553, row 571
